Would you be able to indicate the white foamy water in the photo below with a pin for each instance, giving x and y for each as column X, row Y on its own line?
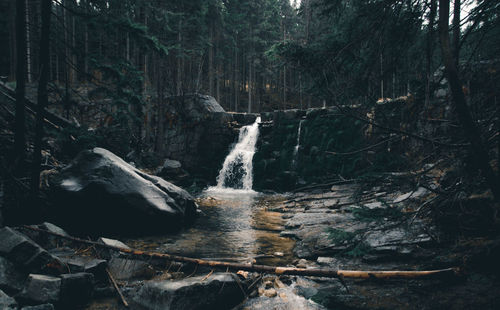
column 296, row 150
column 236, row 173
column 297, row 146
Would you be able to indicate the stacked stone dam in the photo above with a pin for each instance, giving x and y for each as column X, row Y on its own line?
column 198, row 133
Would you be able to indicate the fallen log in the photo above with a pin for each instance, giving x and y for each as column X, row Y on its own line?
column 320, row 272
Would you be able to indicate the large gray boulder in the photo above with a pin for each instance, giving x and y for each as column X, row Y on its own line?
column 100, row 192
column 219, row 291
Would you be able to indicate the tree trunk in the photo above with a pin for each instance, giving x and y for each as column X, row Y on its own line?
column 28, row 43
column 211, row 91
column 42, row 94
column 471, row 130
column 179, row 59
column 250, row 85
column 19, row 127
column 145, row 67
column 430, row 52
column 456, row 31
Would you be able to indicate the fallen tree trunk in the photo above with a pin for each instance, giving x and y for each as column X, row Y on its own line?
column 330, row 273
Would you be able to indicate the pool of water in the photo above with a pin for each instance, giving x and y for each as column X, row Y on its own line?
column 234, row 225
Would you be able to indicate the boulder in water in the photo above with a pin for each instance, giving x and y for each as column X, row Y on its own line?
column 100, row 192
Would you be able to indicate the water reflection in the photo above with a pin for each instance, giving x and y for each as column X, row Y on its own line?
column 234, row 225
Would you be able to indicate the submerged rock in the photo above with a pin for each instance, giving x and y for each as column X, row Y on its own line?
column 100, row 192
column 219, row 291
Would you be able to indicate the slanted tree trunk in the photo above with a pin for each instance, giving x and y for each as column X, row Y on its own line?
column 470, row 127
column 42, row 94
column 19, row 126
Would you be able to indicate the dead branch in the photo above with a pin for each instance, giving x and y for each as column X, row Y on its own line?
column 115, row 285
column 331, row 273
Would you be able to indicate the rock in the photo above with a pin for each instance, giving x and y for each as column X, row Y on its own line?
column 172, row 171
column 329, row 261
column 45, row 240
column 76, row 288
column 219, row 291
column 170, row 164
column 113, row 242
column 412, row 195
column 268, row 284
column 86, row 264
column 22, row 251
column 306, row 291
column 6, row 302
column 108, row 253
column 127, row 269
column 302, row 263
column 270, row 292
column 114, row 196
column 40, row 289
column 39, row 307
column 399, row 239
column 11, row 280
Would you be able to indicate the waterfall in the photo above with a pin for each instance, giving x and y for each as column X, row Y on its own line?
column 296, row 149
column 236, row 172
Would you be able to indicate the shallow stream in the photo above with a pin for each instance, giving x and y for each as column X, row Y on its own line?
column 234, row 225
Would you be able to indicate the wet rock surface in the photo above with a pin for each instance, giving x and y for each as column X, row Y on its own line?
column 25, row 253
column 197, row 133
column 11, row 278
column 218, row 291
column 40, row 289
column 7, row 302
column 114, row 196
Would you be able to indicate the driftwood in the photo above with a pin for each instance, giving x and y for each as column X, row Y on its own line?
column 331, row 273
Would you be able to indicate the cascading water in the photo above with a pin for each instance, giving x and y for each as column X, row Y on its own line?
column 297, row 146
column 236, row 172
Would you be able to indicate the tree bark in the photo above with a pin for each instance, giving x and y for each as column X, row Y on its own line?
column 211, row 91
column 470, row 127
column 19, row 127
column 179, row 59
column 430, row 51
column 456, row 31
column 42, row 94
column 28, row 44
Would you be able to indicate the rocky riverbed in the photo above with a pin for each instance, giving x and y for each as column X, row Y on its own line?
column 345, row 227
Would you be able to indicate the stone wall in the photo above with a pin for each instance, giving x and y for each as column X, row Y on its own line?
column 279, row 166
column 199, row 133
